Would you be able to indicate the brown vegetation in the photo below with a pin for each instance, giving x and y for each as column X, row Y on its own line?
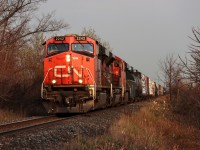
column 153, row 127
column 182, row 80
column 10, row 115
column 21, row 52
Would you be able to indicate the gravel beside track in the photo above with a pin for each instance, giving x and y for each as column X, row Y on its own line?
column 50, row 137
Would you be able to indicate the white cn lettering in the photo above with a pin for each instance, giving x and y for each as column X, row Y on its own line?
column 76, row 72
column 67, row 74
column 61, row 75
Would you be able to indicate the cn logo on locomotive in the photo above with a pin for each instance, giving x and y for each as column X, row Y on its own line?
column 56, row 74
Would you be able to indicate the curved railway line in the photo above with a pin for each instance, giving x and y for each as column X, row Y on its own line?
column 27, row 125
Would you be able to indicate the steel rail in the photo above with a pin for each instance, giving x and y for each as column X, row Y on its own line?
column 20, row 126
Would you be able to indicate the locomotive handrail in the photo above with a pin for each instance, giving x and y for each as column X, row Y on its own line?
column 129, row 85
column 111, row 90
column 106, row 78
column 89, row 72
column 111, row 87
column 42, row 86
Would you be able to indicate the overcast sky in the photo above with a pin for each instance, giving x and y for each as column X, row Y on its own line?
column 141, row 32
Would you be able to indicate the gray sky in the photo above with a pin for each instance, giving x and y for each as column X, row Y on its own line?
column 141, row 32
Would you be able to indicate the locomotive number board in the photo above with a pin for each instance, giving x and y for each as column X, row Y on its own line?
column 80, row 38
column 59, row 38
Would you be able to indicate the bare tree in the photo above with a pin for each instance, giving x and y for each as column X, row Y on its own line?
column 16, row 17
column 192, row 66
column 92, row 33
column 192, row 70
column 171, row 70
column 18, row 25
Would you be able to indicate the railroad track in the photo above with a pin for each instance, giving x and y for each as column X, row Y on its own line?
column 32, row 124
column 27, row 125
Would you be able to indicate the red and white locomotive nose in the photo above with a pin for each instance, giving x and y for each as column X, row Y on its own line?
column 69, row 67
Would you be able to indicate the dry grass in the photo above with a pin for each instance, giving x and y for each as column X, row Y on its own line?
column 188, row 104
column 153, row 127
column 7, row 115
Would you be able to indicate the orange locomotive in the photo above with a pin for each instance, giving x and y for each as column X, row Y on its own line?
column 81, row 75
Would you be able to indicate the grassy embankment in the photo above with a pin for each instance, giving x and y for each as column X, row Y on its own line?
column 15, row 111
column 155, row 126
column 6, row 115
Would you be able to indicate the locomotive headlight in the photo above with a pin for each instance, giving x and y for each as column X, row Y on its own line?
column 53, row 81
column 80, row 81
column 68, row 58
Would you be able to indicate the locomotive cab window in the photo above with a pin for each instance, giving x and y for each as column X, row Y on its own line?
column 83, row 48
column 116, row 64
column 57, row 48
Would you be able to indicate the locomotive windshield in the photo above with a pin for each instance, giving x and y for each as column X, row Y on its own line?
column 83, row 48
column 57, row 48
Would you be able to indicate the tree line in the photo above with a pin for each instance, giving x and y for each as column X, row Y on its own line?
column 21, row 52
column 182, row 77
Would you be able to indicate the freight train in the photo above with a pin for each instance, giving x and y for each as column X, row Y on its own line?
column 82, row 75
